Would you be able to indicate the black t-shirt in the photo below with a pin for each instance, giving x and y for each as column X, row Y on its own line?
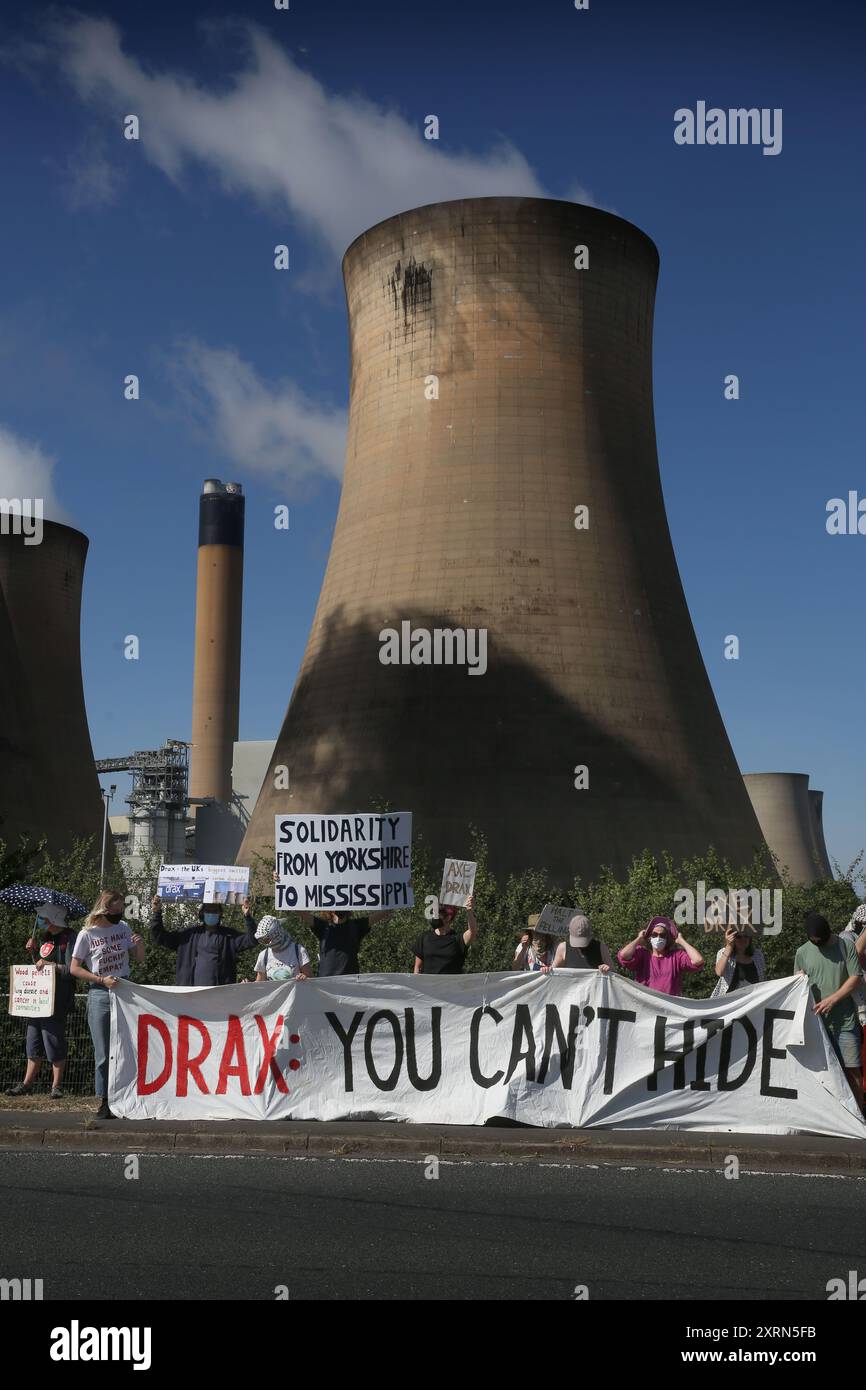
column 338, row 945
column 441, row 955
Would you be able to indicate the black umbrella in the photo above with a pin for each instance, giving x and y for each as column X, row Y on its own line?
column 27, row 897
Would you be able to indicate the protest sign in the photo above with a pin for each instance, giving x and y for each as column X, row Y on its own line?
column 203, row 883
column 31, row 991
column 573, row 1048
column 458, row 882
column 344, row 862
column 555, row 920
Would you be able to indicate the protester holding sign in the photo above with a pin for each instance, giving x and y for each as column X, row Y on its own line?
column 832, row 968
column 206, row 954
column 656, row 961
column 101, row 956
column 440, row 950
column 582, row 949
column 339, row 935
column 535, row 950
column 282, row 958
column 739, row 962
column 53, row 942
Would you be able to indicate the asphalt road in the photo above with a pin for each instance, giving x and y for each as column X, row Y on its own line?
column 191, row 1227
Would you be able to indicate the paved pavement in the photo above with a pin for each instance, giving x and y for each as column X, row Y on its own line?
column 32, row 1129
column 187, row 1227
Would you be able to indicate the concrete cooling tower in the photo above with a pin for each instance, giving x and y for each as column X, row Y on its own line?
column 784, row 810
column 816, row 801
column 48, row 782
column 495, row 390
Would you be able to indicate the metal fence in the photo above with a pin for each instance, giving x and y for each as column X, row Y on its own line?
column 78, row 1076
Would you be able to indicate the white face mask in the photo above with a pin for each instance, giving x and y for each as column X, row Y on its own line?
column 658, row 942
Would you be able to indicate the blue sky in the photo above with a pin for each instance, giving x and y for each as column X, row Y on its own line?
column 304, row 127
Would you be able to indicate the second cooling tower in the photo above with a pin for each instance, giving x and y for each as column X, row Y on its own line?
column 497, row 388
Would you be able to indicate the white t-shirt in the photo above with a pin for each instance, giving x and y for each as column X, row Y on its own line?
column 272, row 963
column 104, row 949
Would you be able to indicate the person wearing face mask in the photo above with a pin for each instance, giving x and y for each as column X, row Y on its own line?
column 51, row 947
column 582, row 949
column 535, row 950
column 832, row 967
column 101, row 957
column 282, row 957
column 656, row 961
column 207, row 954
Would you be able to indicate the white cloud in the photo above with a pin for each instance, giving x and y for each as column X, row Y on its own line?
column 339, row 163
column 278, row 431
column 26, row 471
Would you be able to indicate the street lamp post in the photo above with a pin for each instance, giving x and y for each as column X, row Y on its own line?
column 107, row 796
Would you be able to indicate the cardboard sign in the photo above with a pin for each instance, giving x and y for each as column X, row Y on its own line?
column 458, row 881
column 31, row 991
column 344, row 862
column 555, row 920
column 203, row 883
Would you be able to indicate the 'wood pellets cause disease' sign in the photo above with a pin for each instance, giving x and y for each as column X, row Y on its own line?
column 31, row 991
column 343, row 862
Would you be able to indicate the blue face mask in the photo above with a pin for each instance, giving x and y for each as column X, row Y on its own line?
column 41, row 923
column 211, row 919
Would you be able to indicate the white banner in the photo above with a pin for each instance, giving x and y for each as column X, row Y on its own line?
column 343, row 862
column 203, row 883
column 575, row 1048
column 458, row 882
column 31, row 991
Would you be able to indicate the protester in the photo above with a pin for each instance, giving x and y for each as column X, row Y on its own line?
column 655, row 959
column 739, row 962
column 53, row 941
column 582, row 949
column 339, row 935
column 535, row 950
column 207, row 953
column 101, row 956
column 440, row 950
column 283, row 958
column 855, row 932
column 832, row 968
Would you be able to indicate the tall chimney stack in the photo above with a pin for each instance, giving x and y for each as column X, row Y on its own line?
column 216, row 681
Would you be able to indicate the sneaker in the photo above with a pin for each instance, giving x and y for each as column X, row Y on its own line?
column 56, row 1093
column 20, row 1090
column 103, row 1113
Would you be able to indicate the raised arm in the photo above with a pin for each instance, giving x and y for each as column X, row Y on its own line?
column 472, row 930
column 696, row 960
column 156, row 927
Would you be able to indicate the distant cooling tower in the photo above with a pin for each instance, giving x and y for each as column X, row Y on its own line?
column 216, row 679
column 48, row 782
column 784, row 811
column 496, row 389
column 816, row 801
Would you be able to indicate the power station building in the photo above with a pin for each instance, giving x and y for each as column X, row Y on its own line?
column 48, row 782
column 502, row 638
column 791, row 817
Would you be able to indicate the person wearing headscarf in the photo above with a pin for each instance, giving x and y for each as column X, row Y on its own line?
column 535, row 949
column 282, row 958
column 440, row 950
column 655, row 957
column 833, row 968
column 582, row 950
column 207, row 954
column 51, row 946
